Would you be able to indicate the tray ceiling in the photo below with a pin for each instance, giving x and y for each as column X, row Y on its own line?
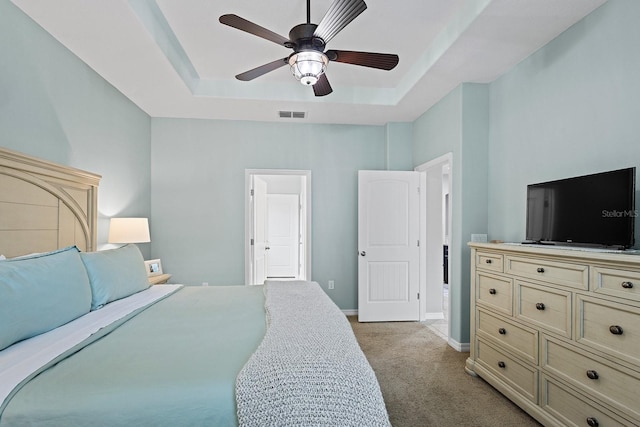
column 174, row 59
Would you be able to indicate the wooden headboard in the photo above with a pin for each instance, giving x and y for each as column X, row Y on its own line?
column 45, row 206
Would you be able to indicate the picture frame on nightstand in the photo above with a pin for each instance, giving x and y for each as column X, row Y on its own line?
column 153, row 267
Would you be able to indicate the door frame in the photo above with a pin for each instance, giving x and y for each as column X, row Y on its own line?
column 425, row 215
column 259, row 255
column 305, row 219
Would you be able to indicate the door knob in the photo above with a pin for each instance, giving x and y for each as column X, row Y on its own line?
column 363, row 253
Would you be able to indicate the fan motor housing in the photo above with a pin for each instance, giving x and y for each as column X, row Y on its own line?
column 302, row 36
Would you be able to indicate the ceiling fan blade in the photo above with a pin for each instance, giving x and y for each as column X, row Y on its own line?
column 322, row 86
column 261, row 70
column 247, row 26
column 340, row 13
column 382, row 61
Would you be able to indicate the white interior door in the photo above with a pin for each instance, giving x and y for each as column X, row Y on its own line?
column 260, row 260
column 283, row 225
column 388, row 239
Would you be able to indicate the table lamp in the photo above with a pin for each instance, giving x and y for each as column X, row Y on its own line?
column 129, row 230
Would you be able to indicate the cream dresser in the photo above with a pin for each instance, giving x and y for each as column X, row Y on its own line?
column 557, row 331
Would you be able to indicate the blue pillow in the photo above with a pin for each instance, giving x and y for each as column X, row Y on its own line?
column 38, row 293
column 115, row 274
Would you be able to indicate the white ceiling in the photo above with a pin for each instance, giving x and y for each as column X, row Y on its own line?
column 173, row 58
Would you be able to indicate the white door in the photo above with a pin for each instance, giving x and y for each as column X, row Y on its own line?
column 259, row 231
column 283, row 213
column 388, row 239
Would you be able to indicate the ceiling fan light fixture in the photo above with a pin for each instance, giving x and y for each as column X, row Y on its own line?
column 307, row 66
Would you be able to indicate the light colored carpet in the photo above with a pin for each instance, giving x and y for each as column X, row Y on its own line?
column 424, row 383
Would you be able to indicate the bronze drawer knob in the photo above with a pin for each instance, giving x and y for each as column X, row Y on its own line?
column 502, row 331
column 592, row 422
column 627, row 285
column 593, row 375
column 615, row 330
column 540, row 306
column 492, row 291
column 501, row 364
column 488, row 261
column 540, row 270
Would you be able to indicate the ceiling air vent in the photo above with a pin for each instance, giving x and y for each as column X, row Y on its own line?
column 292, row 114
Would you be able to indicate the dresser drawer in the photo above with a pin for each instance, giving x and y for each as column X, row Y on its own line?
column 495, row 292
column 517, row 339
column 557, row 273
column 546, row 307
column 575, row 411
column 619, row 283
column 604, row 380
column 520, row 376
column 608, row 326
column 489, row 261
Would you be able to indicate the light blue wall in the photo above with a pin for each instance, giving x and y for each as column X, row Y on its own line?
column 399, row 146
column 572, row 108
column 198, row 195
column 53, row 106
column 458, row 124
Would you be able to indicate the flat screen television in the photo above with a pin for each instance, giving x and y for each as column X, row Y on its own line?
column 592, row 210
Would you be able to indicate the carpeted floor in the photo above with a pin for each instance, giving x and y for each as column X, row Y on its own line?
column 424, row 383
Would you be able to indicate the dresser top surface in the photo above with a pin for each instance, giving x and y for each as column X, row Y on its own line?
column 568, row 252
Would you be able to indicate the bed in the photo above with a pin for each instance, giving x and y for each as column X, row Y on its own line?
column 84, row 339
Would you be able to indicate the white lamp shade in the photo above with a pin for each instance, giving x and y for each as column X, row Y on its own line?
column 129, row 230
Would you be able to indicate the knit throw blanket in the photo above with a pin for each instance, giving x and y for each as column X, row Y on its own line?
column 309, row 369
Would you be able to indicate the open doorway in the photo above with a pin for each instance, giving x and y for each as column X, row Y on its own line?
column 277, row 225
column 436, row 225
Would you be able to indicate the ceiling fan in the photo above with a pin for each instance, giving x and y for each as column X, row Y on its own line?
column 309, row 59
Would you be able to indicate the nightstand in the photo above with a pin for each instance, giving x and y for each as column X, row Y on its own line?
column 159, row 279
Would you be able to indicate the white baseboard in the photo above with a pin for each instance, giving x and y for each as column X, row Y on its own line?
column 461, row 347
column 350, row 312
column 433, row 316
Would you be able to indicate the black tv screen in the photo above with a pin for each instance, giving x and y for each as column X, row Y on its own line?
column 590, row 210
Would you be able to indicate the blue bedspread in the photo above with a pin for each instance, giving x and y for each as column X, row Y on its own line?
column 174, row 364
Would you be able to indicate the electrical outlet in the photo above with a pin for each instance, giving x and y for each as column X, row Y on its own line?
column 205, row 283
column 331, row 284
